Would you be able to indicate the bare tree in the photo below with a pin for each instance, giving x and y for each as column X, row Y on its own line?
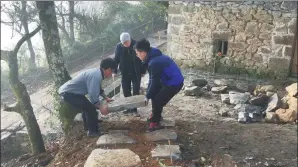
column 24, row 20
column 71, row 23
column 51, row 39
column 23, row 105
column 19, row 19
column 62, row 13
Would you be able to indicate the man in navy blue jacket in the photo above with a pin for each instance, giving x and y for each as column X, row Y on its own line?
column 166, row 79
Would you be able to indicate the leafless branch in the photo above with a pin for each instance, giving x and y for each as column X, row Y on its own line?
column 25, row 38
column 7, row 22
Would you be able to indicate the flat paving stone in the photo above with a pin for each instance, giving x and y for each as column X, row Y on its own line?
column 119, row 132
column 220, row 89
column 166, row 151
column 116, row 138
column 112, row 158
column 121, row 104
column 162, row 134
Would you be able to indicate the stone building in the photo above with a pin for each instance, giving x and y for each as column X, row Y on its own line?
column 251, row 35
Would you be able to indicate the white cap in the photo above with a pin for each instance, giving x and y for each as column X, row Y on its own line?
column 124, row 37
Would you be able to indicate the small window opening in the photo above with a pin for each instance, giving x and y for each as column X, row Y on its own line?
column 222, row 48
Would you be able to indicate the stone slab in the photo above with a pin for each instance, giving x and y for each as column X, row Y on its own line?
column 112, row 158
column 238, row 98
column 220, row 89
column 292, row 89
column 225, row 98
column 166, row 151
column 274, row 103
column 192, row 91
column 119, row 132
column 114, row 138
column 222, row 82
column 127, row 103
column 201, row 82
column 160, row 135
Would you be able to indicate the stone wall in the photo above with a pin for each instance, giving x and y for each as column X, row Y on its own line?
column 259, row 34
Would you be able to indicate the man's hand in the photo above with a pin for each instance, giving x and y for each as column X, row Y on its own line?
column 104, row 109
column 114, row 75
column 109, row 99
column 146, row 101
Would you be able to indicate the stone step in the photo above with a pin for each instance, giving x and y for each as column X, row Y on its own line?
column 112, row 158
column 121, row 104
column 162, row 134
column 166, row 151
column 118, row 131
column 115, row 138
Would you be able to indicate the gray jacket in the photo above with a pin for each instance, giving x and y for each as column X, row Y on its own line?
column 87, row 82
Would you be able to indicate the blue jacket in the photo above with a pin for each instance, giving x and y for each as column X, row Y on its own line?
column 162, row 71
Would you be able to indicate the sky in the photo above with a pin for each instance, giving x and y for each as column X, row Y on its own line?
column 8, row 42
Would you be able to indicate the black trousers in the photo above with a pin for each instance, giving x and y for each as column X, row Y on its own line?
column 126, row 82
column 165, row 94
column 89, row 112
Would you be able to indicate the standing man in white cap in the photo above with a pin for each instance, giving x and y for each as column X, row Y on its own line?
column 130, row 66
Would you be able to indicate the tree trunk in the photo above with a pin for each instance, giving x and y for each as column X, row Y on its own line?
column 24, row 19
column 71, row 23
column 51, row 39
column 23, row 105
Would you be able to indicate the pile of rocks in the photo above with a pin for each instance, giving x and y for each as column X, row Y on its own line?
column 249, row 103
column 283, row 110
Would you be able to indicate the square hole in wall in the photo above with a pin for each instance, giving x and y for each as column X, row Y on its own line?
column 221, row 47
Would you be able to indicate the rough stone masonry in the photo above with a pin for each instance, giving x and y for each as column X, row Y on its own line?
column 259, row 34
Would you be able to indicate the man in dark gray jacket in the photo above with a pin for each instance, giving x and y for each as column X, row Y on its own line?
column 89, row 82
column 130, row 66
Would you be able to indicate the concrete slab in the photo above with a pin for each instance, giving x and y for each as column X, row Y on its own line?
column 112, row 158
column 121, row 104
column 166, row 151
column 160, row 135
column 116, row 138
column 119, row 132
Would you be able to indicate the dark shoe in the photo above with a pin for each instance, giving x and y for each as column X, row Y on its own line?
column 93, row 134
column 153, row 126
